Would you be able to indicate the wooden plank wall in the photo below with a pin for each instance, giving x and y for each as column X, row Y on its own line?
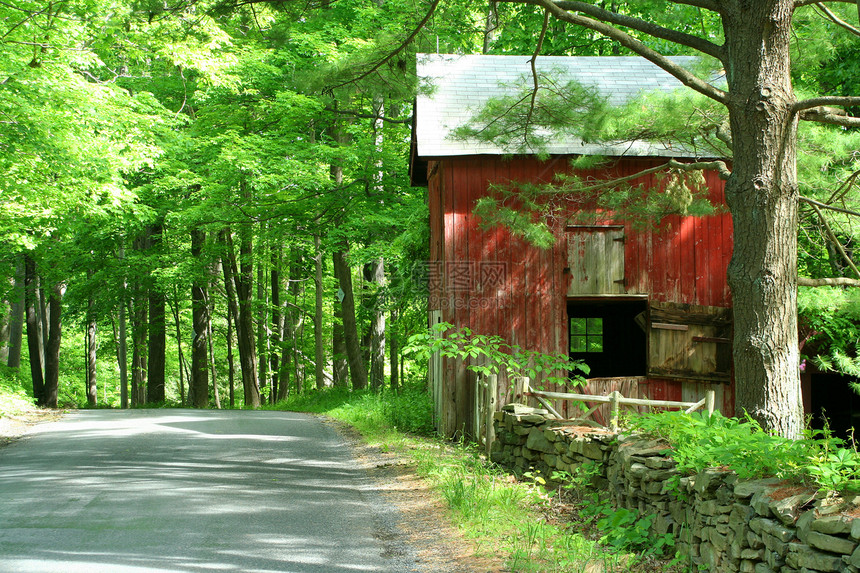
column 684, row 261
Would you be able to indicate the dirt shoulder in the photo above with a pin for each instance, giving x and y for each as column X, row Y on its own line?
column 14, row 427
column 439, row 546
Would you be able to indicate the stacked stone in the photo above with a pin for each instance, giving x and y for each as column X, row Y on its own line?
column 527, row 441
column 718, row 521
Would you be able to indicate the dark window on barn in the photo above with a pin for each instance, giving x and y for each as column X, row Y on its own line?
column 605, row 334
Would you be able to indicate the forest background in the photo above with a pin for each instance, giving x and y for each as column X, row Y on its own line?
column 208, row 203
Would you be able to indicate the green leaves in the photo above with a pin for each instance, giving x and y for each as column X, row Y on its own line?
column 490, row 354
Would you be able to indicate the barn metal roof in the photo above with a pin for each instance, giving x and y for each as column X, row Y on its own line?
column 460, row 85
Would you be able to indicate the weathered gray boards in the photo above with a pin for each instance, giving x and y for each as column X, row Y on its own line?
column 718, row 520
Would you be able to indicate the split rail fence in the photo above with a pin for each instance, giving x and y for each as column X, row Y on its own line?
column 487, row 391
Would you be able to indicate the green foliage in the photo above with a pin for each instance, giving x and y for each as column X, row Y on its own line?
column 830, row 319
column 490, row 354
column 625, row 530
column 409, row 409
column 14, row 395
column 698, row 441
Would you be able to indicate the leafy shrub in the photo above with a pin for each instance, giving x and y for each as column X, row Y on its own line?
column 490, row 354
column 699, row 441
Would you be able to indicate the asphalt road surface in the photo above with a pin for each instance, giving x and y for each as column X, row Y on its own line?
column 183, row 490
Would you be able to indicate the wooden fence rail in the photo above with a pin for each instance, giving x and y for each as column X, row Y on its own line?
column 615, row 401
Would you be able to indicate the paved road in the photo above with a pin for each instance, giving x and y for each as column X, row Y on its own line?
column 184, row 490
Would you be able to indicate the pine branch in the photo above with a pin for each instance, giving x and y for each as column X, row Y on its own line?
column 396, row 51
column 649, row 28
column 836, row 19
column 836, row 281
column 818, row 204
column 830, row 116
column 683, row 75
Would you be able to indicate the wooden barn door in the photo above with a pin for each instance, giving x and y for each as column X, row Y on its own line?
column 690, row 342
column 595, row 258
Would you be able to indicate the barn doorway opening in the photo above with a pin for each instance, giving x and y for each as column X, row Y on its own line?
column 833, row 398
column 606, row 335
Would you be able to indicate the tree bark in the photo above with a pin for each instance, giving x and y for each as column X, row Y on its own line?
column 157, row 331
column 377, row 327
column 357, row 369
column 34, row 346
column 237, row 280
column 340, row 367
column 393, row 351
column 263, row 334
column 121, row 347
column 52, row 346
column 92, row 388
column 16, row 317
column 231, row 364
column 277, row 322
column 199, row 383
column 762, row 194
column 319, row 351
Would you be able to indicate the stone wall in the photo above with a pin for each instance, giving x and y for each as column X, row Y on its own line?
column 717, row 520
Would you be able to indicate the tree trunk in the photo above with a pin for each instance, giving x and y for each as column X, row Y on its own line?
column 183, row 365
column 263, row 334
column 16, row 316
column 762, row 196
column 357, row 370
column 237, row 280
column 319, row 351
column 198, row 385
column 277, row 323
column 92, row 389
column 231, row 365
column 377, row 327
column 52, row 346
column 121, row 347
column 34, row 345
column 157, row 343
column 394, row 351
column 340, row 368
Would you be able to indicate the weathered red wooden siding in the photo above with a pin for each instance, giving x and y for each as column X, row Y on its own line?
column 684, row 261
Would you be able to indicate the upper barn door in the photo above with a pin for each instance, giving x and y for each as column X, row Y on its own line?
column 595, row 259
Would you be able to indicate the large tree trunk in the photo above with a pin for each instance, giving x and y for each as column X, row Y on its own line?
column 377, row 326
column 121, row 347
column 16, row 316
column 340, row 368
column 157, row 343
column 319, row 351
column 277, row 323
column 762, row 195
column 357, row 369
column 198, row 385
column 238, row 282
column 34, row 345
column 263, row 334
column 52, row 346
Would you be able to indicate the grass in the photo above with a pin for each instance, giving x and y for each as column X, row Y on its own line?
column 15, row 399
column 514, row 521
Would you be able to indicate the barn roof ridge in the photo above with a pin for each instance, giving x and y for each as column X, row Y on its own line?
column 468, row 81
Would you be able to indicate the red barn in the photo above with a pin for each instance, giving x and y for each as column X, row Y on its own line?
column 648, row 310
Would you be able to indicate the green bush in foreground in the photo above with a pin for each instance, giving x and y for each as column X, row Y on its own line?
column 699, row 441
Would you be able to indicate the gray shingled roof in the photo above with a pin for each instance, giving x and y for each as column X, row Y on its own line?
column 461, row 85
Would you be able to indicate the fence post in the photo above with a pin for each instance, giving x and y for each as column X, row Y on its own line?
column 489, row 430
column 709, row 402
column 614, row 408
